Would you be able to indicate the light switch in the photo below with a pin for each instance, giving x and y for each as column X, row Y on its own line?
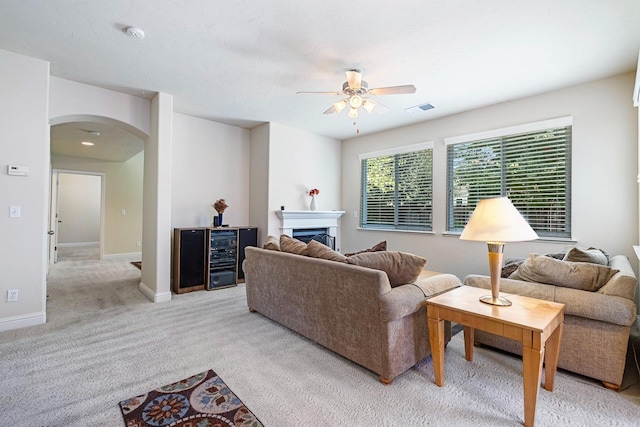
column 14, row 211
column 123, row 211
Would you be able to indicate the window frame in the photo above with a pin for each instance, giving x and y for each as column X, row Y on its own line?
column 506, row 133
column 362, row 220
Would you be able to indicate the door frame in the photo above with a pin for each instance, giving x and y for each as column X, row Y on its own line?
column 53, row 211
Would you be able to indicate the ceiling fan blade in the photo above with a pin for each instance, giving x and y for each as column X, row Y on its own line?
column 330, row 110
column 318, row 93
column 393, row 90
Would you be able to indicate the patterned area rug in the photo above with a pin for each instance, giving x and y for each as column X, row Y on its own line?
column 202, row 400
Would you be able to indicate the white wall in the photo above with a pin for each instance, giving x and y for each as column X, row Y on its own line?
column 123, row 190
column 210, row 161
column 604, row 169
column 298, row 162
column 259, row 181
column 79, row 198
column 24, row 136
column 73, row 101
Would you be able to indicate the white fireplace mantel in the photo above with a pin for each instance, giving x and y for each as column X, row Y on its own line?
column 293, row 220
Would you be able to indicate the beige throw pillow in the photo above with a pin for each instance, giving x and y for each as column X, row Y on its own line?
column 271, row 243
column 293, row 246
column 401, row 267
column 318, row 250
column 594, row 256
column 576, row 275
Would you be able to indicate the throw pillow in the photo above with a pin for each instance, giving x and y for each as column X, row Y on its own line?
column 509, row 268
column 293, row 246
column 271, row 243
column 576, row 275
column 592, row 255
column 319, row 250
column 382, row 246
column 401, row 267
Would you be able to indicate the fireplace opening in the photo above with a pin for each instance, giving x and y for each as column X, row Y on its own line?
column 318, row 234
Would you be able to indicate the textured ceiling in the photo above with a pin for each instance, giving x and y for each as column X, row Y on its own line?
column 242, row 62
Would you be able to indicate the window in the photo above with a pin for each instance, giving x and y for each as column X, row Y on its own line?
column 396, row 188
column 530, row 164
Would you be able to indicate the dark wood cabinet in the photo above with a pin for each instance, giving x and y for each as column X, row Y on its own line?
column 210, row 258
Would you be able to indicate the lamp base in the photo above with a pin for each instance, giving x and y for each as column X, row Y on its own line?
column 488, row 299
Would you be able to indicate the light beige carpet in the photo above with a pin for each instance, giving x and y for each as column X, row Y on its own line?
column 105, row 342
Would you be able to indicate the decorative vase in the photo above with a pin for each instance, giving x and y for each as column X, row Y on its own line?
column 314, row 205
column 220, row 219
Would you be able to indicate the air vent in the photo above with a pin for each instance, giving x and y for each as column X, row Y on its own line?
column 421, row 107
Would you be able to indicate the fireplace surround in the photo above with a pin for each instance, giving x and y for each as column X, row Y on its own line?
column 327, row 221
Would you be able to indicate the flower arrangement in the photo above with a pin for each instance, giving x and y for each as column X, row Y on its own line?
column 314, row 192
column 220, row 205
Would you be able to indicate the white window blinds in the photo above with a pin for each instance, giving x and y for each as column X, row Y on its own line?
column 532, row 168
column 396, row 189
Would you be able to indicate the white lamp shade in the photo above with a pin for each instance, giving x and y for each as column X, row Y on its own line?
column 340, row 105
column 368, row 105
column 497, row 220
column 354, row 79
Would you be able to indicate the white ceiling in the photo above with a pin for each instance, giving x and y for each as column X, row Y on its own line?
column 242, row 62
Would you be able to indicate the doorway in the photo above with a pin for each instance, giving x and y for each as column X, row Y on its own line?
column 77, row 212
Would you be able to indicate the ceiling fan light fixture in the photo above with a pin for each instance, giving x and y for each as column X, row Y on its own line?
column 355, row 101
column 353, row 113
column 368, row 105
column 340, row 105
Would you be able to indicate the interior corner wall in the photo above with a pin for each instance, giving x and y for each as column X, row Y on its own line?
column 156, row 227
column 210, row 161
column 604, row 174
column 298, row 162
column 259, row 181
column 24, row 131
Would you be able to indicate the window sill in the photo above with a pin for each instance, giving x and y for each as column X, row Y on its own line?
column 390, row 230
column 563, row 240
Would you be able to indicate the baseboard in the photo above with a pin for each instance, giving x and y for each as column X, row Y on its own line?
column 77, row 244
column 129, row 254
column 17, row 322
column 152, row 295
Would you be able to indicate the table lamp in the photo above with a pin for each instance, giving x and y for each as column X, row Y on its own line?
column 497, row 221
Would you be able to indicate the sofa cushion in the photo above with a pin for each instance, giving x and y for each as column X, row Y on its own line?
column 319, row 250
column 292, row 245
column 271, row 243
column 576, row 275
column 592, row 255
column 382, row 246
column 401, row 267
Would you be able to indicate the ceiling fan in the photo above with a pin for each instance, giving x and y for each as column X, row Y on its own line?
column 355, row 89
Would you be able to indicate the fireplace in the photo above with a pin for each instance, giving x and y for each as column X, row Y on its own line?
column 316, row 225
column 318, row 234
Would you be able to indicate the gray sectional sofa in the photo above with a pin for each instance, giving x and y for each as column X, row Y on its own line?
column 349, row 309
column 597, row 322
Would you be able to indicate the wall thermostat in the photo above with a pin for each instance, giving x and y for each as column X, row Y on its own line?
column 18, row 170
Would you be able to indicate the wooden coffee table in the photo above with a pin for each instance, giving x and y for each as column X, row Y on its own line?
column 537, row 324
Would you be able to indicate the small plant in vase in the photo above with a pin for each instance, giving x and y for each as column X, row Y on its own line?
column 313, row 193
column 220, row 205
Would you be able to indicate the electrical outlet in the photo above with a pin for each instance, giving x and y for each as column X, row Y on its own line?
column 137, row 244
column 12, row 295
